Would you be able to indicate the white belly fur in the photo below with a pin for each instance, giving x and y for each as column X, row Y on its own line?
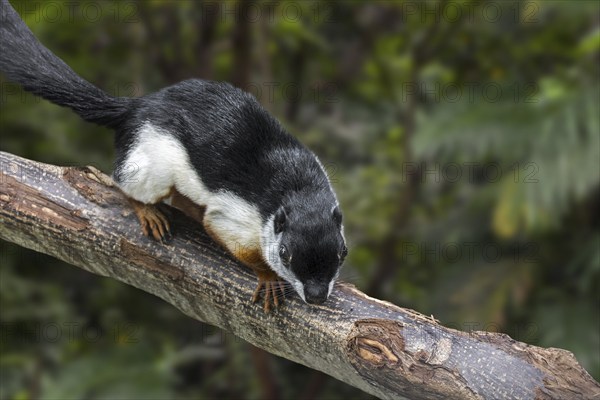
column 159, row 162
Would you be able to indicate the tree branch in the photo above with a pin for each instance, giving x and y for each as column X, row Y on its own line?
column 75, row 215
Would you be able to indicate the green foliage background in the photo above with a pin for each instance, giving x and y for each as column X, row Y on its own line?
column 463, row 139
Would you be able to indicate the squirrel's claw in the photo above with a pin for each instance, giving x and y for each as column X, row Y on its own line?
column 274, row 292
column 153, row 221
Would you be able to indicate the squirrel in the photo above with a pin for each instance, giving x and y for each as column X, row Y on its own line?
column 205, row 145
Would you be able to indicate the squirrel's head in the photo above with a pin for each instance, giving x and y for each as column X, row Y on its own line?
column 306, row 247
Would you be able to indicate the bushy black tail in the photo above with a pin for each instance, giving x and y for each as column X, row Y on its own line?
column 24, row 60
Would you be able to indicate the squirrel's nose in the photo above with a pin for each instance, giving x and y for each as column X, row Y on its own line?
column 315, row 294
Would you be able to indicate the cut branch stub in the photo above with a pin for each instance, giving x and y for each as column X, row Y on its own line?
column 377, row 350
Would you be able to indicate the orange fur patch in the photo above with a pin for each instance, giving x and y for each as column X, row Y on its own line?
column 189, row 208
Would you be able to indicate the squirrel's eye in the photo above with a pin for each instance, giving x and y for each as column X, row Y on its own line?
column 284, row 254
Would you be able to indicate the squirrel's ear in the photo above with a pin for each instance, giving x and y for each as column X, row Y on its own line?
column 337, row 215
column 280, row 221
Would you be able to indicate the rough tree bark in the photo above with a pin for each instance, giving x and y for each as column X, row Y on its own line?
column 75, row 215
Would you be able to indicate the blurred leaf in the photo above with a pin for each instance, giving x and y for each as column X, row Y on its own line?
column 590, row 43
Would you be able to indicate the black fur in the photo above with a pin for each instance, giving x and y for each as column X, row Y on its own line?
column 24, row 60
column 232, row 142
column 312, row 236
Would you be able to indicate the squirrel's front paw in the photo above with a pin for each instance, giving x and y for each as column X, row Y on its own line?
column 274, row 290
column 153, row 221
